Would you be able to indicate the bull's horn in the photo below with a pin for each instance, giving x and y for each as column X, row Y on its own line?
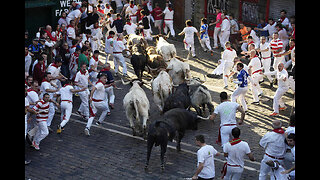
column 205, row 79
column 207, row 118
column 174, row 85
column 167, row 36
column 125, row 83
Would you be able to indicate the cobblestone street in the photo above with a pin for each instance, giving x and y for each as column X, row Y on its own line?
column 111, row 152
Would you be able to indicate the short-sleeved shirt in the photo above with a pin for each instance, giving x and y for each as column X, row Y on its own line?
column 82, row 78
column 82, row 59
column 66, row 93
column 206, row 155
column 99, row 93
column 227, row 111
column 189, row 33
column 220, row 20
column 204, row 34
column 236, row 152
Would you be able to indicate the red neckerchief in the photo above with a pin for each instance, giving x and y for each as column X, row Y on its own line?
column 69, row 26
column 170, row 9
column 129, row 23
column 291, row 48
column 95, row 58
column 117, row 18
column 31, row 89
column 225, row 18
column 26, row 54
column 279, row 131
column 83, row 73
column 76, row 54
column 99, row 81
column 235, row 141
column 107, row 6
column 66, row 85
column 45, row 80
column 282, row 19
column 105, row 69
column 251, row 42
column 131, row 5
column 109, row 37
column 254, row 56
column 54, row 65
column 230, row 49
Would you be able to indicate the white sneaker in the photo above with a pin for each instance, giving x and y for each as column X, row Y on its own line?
column 87, row 131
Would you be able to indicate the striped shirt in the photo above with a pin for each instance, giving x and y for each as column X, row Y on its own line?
column 43, row 109
column 275, row 45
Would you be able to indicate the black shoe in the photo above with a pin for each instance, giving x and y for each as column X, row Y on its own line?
column 27, row 161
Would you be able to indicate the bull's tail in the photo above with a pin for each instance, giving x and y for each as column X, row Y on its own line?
column 135, row 105
column 161, row 96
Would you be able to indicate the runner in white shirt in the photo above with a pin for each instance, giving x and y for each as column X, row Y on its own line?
column 255, row 71
column 93, row 66
column 234, row 151
column 205, row 159
column 283, row 87
column 265, row 57
column 227, row 111
column 98, row 101
column 168, row 20
column 228, row 56
column 82, row 81
column 129, row 27
column 225, row 30
column 66, row 93
column 188, row 40
column 275, row 148
column 74, row 15
column 131, row 12
column 270, row 27
column 118, row 47
column 109, row 46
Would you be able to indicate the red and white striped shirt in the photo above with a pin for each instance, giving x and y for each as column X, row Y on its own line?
column 275, row 45
column 43, row 109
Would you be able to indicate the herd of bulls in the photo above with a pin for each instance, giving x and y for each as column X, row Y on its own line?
column 174, row 92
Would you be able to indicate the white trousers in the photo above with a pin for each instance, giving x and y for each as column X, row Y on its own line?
column 233, row 173
column 226, row 71
column 216, row 34
column 66, row 110
column 84, row 106
column 265, row 169
column 147, row 34
column 224, row 38
column 42, row 132
column 266, row 64
column 256, row 90
column 118, row 58
column 94, row 108
column 189, row 45
column 109, row 91
column 205, row 44
column 277, row 100
column 240, row 92
column 226, row 133
column 51, row 113
column 169, row 24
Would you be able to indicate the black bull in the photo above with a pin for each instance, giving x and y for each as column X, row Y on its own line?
column 172, row 124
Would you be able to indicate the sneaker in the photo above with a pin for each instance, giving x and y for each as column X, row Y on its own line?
column 98, row 123
column 274, row 114
column 87, row 131
column 35, row 145
column 59, row 129
column 27, row 161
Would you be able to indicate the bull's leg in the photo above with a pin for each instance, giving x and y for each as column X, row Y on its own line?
column 163, row 152
column 150, row 143
column 129, row 114
column 180, row 136
column 144, row 126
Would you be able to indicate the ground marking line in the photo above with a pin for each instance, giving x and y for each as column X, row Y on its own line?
column 140, row 138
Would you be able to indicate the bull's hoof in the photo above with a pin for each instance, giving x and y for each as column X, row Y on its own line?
column 178, row 148
column 146, row 168
column 162, row 167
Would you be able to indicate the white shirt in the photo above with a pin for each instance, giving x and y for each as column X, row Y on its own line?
column 109, row 45
column 82, row 79
column 71, row 33
column 189, row 33
column 225, row 26
column 32, row 97
column 27, row 63
column 130, row 29
column 54, row 72
column 168, row 15
column 264, row 47
column 131, row 11
column 206, row 155
column 236, row 152
column 118, row 46
column 229, row 55
column 274, row 144
column 44, row 86
column 255, row 63
column 74, row 14
column 227, row 111
column 271, row 28
column 99, row 93
column 66, row 93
